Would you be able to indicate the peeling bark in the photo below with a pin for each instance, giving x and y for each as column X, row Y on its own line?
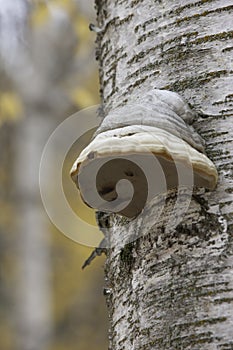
column 173, row 289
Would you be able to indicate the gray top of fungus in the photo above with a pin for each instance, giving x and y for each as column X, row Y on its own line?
column 159, row 108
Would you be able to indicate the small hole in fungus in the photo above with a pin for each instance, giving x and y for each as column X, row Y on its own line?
column 129, row 173
column 91, row 155
column 106, row 190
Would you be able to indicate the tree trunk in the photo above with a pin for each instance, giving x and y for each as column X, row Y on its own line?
column 173, row 289
column 32, row 316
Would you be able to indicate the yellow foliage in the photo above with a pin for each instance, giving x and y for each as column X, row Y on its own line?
column 85, row 36
column 40, row 14
column 92, row 85
column 7, row 339
column 69, row 280
column 6, row 214
column 81, row 26
column 10, row 107
column 82, row 97
column 67, row 5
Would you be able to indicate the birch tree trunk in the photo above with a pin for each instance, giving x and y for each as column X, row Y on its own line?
column 32, row 316
column 173, row 290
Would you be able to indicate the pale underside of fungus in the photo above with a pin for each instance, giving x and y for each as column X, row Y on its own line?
column 139, row 151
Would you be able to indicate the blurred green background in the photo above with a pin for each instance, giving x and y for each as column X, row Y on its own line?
column 47, row 72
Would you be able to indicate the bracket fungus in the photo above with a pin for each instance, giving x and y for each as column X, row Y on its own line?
column 140, row 150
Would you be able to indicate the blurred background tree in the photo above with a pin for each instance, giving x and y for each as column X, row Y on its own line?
column 48, row 72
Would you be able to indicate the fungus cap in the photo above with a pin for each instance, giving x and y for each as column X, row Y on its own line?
column 130, row 141
column 145, row 144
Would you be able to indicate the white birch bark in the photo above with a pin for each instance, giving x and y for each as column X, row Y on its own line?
column 173, row 290
column 34, row 322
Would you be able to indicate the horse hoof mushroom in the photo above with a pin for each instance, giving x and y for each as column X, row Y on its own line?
column 140, row 150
